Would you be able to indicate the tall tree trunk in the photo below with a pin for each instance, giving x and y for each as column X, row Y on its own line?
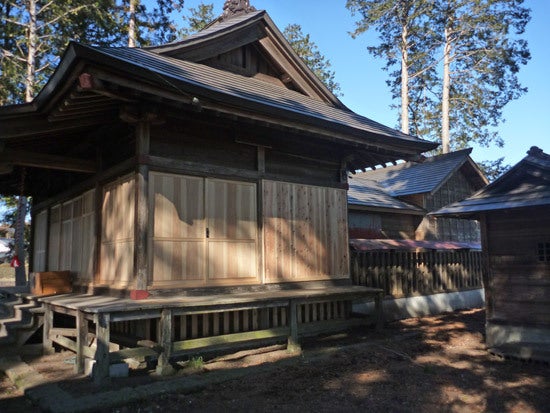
column 31, row 53
column 445, row 96
column 132, row 24
column 30, row 80
column 404, row 81
column 20, row 272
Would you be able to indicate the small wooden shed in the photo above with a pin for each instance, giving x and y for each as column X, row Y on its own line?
column 393, row 202
column 216, row 166
column 514, row 212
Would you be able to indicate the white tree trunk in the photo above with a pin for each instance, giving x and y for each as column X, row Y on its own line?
column 132, row 23
column 20, row 272
column 445, row 96
column 30, row 79
column 31, row 52
column 404, row 81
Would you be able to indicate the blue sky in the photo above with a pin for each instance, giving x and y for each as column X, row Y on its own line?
column 362, row 79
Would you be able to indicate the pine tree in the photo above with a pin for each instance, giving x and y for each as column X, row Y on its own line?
column 198, row 18
column 406, row 43
column 461, row 59
column 482, row 55
column 310, row 54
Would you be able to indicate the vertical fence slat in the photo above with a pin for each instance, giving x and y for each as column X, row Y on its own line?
column 403, row 274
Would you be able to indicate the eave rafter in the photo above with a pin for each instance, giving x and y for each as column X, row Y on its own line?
column 46, row 161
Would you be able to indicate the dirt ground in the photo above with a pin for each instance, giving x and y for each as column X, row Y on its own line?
column 430, row 364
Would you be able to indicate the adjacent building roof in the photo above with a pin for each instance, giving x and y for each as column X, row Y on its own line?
column 367, row 193
column 425, row 176
column 527, row 184
column 379, row 188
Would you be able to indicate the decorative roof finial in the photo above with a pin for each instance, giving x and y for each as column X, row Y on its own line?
column 236, row 7
column 534, row 151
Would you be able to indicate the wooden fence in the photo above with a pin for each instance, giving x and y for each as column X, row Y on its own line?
column 405, row 274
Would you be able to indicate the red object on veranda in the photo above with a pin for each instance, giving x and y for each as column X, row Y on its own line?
column 15, row 262
column 139, row 294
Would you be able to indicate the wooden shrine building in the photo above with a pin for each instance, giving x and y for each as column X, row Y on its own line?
column 393, row 202
column 213, row 165
column 514, row 212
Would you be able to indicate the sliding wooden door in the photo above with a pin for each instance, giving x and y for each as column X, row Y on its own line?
column 204, row 231
column 231, row 231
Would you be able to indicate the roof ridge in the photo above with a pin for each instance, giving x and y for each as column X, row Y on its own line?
column 216, row 25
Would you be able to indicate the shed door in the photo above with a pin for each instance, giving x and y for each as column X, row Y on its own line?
column 204, row 231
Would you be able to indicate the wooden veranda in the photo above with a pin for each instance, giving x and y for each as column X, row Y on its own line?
column 165, row 328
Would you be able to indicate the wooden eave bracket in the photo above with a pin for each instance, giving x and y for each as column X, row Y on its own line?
column 134, row 114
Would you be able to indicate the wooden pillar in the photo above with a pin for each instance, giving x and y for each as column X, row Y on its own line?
column 293, row 344
column 98, row 217
column 379, row 310
column 486, row 268
column 81, row 341
column 142, row 206
column 47, row 345
column 260, row 211
column 103, row 337
column 166, row 340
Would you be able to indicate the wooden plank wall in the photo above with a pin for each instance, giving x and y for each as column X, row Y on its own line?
column 117, row 232
column 454, row 189
column 305, row 232
column 71, row 243
column 40, row 245
column 245, row 60
column 367, row 224
column 54, row 238
column 519, row 273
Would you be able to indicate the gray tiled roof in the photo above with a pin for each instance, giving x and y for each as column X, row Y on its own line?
column 187, row 77
column 368, row 193
column 527, row 184
column 217, row 26
column 415, row 178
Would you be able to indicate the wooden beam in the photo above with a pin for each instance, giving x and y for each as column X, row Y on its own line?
column 47, row 345
column 88, row 83
column 103, row 331
column 81, row 341
column 166, row 340
column 225, row 341
column 28, row 126
column 293, row 344
column 47, row 161
column 177, row 96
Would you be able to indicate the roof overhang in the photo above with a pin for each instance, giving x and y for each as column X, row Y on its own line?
column 117, row 74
